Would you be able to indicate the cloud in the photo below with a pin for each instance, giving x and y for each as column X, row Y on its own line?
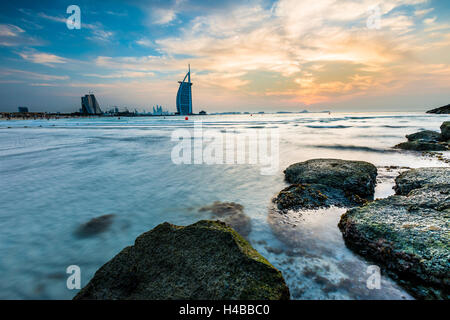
column 47, row 59
column 13, row 36
column 123, row 74
column 9, row 30
column 264, row 53
column 145, row 42
column 30, row 75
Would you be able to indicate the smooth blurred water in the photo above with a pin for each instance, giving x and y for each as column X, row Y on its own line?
column 58, row 174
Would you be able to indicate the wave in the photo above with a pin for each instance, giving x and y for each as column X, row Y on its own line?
column 329, row 127
column 353, row 148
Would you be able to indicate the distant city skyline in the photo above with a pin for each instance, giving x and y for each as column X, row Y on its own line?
column 255, row 55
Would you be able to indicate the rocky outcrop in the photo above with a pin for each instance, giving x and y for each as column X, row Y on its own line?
column 408, row 233
column 313, row 196
column 232, row 214
column 206, row 260
column 351, row 177
column 445, row 131
column 317, row 184
column 418, row 178
column 441, row 110
column 426, row 140
column 421, row 146
column 425, row 135
column 95, row 226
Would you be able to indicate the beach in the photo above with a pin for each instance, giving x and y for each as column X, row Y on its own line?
column 58, row 174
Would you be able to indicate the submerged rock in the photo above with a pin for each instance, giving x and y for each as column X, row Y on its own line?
column 408, row 234
column 445, row 131
column 95, row 226
column 440, row 110
column 352, row 177
column 232, row 214
column 206, row 260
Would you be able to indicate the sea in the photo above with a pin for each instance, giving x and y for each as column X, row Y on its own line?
column 58, row 174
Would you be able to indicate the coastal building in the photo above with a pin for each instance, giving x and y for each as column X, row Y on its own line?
column 23, row 109
column 89, row 105
column 184, row 95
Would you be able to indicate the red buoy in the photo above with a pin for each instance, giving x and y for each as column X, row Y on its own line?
column 186, row 118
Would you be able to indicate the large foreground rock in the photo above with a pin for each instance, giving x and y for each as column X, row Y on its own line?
column 408, row 235
column 352, row 177
column 440, row 110
column 205, row 260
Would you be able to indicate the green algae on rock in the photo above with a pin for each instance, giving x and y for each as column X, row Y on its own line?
column 408, row 233
column 206, row 260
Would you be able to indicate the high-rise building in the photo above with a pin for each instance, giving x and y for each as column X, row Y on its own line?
column 89, row 105
column 184, row 95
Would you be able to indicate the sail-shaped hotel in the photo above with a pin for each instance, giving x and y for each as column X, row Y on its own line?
column 184, row 95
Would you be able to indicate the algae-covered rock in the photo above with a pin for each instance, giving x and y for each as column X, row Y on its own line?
column 445, row 131
column 408, row 234
column 232, row 214
column 352, row 177
column 206, row 260
column 417, row 178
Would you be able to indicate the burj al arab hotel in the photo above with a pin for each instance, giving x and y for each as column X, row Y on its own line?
column 184, row 95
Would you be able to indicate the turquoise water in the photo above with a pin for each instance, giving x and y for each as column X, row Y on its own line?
column 58, row 174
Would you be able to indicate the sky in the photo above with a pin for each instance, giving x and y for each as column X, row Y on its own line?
column 257, row 55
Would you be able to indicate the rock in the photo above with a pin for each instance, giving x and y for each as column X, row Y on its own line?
column 232, row 214
column 352, row 177
column 445, row 131
column 421, row 146
column 206, row 260
column 95, row 226
column 425, row 136
column 418, row 178
column 440, row 110
column 313, row 196
column 407, row 235
column 426, row 140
